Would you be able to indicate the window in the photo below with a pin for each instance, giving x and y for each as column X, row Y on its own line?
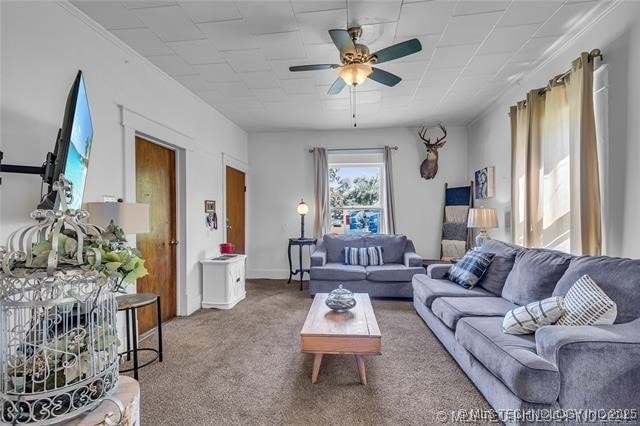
column 356, row 195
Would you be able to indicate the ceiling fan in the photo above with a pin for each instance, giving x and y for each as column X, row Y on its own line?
column 357, row 62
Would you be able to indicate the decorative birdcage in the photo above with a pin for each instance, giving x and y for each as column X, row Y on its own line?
column 58, row 335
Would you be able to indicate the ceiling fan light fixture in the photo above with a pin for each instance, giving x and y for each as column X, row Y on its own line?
column 355, row 74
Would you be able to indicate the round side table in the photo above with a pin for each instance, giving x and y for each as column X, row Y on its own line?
column 130, row 303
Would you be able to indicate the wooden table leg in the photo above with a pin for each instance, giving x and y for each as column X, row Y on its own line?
column 361, row 370
column 317, row 360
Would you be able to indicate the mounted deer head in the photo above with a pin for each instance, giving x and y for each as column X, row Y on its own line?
column 429, row 167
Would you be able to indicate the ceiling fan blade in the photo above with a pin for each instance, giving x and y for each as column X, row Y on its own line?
column 313, row 67
column 399, row 50
column 384, row 77
column 342, row 40
column 337, row 86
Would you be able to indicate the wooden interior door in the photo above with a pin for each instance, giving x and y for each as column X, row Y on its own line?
column 235, row 182
column 156, row 186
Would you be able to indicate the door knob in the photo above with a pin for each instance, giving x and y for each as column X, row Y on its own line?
column 173, row 242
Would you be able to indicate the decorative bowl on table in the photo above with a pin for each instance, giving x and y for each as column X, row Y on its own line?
column 340, row 299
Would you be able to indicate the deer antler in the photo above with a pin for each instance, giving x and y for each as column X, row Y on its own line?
column 422, row 133
column 440, row 141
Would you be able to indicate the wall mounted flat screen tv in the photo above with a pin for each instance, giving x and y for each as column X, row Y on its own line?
column 73, row 147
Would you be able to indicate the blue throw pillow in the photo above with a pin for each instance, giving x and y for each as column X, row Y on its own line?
column 468, row 270
column 374, row 256
column 355, row 256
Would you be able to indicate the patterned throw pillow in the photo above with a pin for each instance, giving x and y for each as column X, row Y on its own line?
column 586, row 304
column 355, row 256
column 468, row 270
column 374, row 256
column 529, row 318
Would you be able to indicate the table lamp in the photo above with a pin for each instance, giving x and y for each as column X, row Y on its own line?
column 303, row 209
column 133, row 218
column 482, row 218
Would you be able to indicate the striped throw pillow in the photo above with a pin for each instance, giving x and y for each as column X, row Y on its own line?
column 355, row 256
column 587, row 304
column 468, row 270
column 529, row 318
column 374, row 255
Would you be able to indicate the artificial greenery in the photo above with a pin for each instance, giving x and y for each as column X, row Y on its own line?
column 117, row 259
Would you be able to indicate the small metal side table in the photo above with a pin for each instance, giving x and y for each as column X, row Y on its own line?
column 130, row 303
column 300, row 242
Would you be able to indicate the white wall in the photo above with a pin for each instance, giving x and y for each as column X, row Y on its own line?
column 43, row 45
column 618, row 36
column 282, row 172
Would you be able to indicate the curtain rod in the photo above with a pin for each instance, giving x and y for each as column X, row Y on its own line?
column 378, row 148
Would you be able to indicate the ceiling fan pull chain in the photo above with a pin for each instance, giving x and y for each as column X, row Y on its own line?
column 355, row 124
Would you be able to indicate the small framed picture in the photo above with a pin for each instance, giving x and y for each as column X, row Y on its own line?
column 209, row 206
column 485, row 183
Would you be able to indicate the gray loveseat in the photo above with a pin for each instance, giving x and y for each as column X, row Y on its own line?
column 558, row 367
column 392, row 279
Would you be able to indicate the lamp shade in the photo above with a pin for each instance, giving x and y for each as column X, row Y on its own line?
column 354, row 74
column 303, row 208
column 482, row 218
column 133, row 218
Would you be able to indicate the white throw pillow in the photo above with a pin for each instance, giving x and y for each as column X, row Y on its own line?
column 529, row 318
column 587, row 304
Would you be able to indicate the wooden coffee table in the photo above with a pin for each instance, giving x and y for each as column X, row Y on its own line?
column 354, row 332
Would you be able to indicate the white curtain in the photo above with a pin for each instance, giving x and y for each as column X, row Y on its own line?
column 320, row 192
column 390, row 205
column 601, row 112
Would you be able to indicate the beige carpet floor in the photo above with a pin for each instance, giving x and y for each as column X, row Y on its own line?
column 242, row 366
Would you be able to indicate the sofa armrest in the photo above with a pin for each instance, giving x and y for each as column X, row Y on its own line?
column 412, row 260
column 599, row 365
column 319, row 256
column 438, row 271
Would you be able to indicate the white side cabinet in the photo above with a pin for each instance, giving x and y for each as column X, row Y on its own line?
column 223, row 281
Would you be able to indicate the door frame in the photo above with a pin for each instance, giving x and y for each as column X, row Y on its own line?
column 228, row 160
column 135, row 124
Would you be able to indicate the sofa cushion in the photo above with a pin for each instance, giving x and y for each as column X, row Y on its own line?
column 335, row 245
column 618, row 278
column 500, row 248
column 334, row 271
column 428, row 289
column 392, row 272
column 451, row 309
column 393, row 246
column 534, row 275
column 496, row 275
column 512, row 359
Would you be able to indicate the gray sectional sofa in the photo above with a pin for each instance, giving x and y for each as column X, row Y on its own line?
column 393, row 279
column 558, row 367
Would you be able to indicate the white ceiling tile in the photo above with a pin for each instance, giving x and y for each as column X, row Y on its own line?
column 432, row 95
column 366, row 109
column 378, row 36
column 299, row 86
column 326, row 77
column 195, row 82
column 566, row 18
column 172, row 65
column 266, row 17
column 424, row 18
column 322, row 54
column 535, row 49
column 336, row 104
column 234, row 90
column 141, row 4
column 406, row 70
column 402, row 89
column 440, row 77
column 301, row 6
column 197, row 52
column 211, row 96
column 170, row 23
column 271, row 95
column 217, row 73
column 144, row 41
column 315, row 26
column 508, row 39
column 110, row 14
column 281, row 68
column 452, row 56
column 390, row 102
column 247, row 60
column 512, row 71
column 211, row 11
column 472, row 7
column 368, row 97
column 469, row 29
column 260, row 79
column 282, row 45
column 428, row 43
column 229, row 35
column 486, row 64
column 363, row 12
column 529, row 12
column 471, row 82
